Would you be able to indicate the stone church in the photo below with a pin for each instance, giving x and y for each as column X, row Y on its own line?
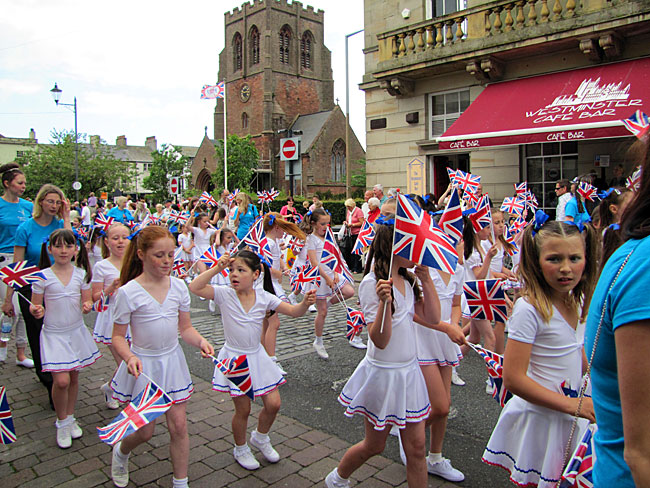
column 278, row 78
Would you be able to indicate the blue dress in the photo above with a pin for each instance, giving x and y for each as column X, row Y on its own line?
column 246, row 220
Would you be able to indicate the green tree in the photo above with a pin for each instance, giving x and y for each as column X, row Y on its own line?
column 53, row 163
column 243, row 158
column 359, row 178
column 167, row 161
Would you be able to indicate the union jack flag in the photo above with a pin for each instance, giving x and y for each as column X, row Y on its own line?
column 355, row 322
column 102, row 222
column 494, row 365
column 81, row 232
column 182, row 218
column 150, row 404
column 295, row 244
column 261, row 196
column 518, row 225
column 486, row 300
column 7, row 430
column 483, row 215
column 531, row 200
column 207, row 198
column 513, row 205
column 587, row 191
column 149, row 220
column 101, row 305
column 214, row 91
column 452, row 175
column 521, row 188
column 173, row 217
column 233, row 195
column 634, row 182
column 638, row 124
column 178, row 269
column 19, row 274
column 510, row 236
column 271, row 195
column 210, row 259
column 452, row 218
column 419, row 240
column 471, row 198
column 257, row 241
column 237, row 372
column 364, row 238
column 579, row 471
column 467, row 181
column 332, row 257
column 306, row 274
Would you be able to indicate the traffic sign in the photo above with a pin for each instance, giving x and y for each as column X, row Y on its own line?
column 289, row 149
column 174, row 185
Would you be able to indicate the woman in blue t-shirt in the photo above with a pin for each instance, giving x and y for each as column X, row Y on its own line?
column 13, row 212
column 245, row 214
column 121, row 213
column 51, row 212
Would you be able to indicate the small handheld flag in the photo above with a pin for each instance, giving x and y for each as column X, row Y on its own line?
column 102, row 222
column 638, row 124
column 213, row 91
column 208, row 198
column 364, row 238
column 486, row 300
column 483, row 215
column 101, row 305
column 587, row 191
column 579, row 471
column 513, row 205
column 7, row 430
column 633, row 182
column 237, row 372
column 452, row 218
column 211, row 257
column 332, row 257
column 494, row 365
column 19, row 274
column 355, row 322
column 306, row 274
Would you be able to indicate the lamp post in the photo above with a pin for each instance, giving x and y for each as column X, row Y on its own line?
column 56, row 94
column 347, row 116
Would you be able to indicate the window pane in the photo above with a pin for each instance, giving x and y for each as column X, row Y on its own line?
column 537, row 190
column 534, row 169
column 437, row 127
column 570, row 147
column 439, row 105
column 450, row 6
column 533, row 150
column 438, row 9
column 551, row 149
column 464, row 100
column 550, row 198
column 450, row 121
column 569, row 167
column 451, row 103
column 552, row 169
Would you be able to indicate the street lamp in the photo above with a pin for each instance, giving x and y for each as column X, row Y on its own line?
column 56, row 94
column 347, row 117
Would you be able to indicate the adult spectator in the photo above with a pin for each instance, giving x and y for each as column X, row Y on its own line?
column 314, row 203
column 365, row 208
column 85, row 215
column 353, row 222
column 378, row 190
column 245, row 214
column 620, row 371
column 392, row 193
column 289, row 211
column 120, row 213
column 141, row 211
column 563, row 196
column 224, row 202
column 375, row 208
column 618, row 179
column 92, row 202
column 51, row 212
column 13, row 212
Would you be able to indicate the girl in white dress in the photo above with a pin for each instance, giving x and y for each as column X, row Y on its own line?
column 558, row 270
column 94, row 247
column 106, row 274
column 300, row 261
column 66, row 344
column 333, row 285
column 387, row 387
column 243, row 308
column 156, row 306
column 186, row 242
column 202, row 233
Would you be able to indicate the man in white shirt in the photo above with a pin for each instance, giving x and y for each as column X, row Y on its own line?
column 563, row 197
column 85, row 214
column 365, row 208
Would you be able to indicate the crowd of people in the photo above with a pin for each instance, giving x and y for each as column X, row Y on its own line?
column 578, row 275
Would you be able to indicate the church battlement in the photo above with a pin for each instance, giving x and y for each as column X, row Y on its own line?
column 285, row 5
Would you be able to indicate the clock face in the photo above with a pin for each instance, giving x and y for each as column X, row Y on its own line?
column 245, row 93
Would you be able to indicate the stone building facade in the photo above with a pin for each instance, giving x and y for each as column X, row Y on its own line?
column 428, row 62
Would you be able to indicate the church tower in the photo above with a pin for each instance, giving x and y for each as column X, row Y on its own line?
column 276, row 67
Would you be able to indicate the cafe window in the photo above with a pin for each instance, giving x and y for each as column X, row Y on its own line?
column 545, row 164
column 445, row 108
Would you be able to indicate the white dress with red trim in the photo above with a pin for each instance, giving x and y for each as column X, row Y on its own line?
column 154, row 327
column 529, row 441
column 105, row 272
column 66, row 343
column 242, row 331
column 387, row 387
column 314, row 243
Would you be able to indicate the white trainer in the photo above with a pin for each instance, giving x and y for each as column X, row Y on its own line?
column 119, row 468
column 245, row 458
column 312, row 308
column 63, row 438
column 282, row 371
column 333, row 480
column 453, row 413
column 357, row 342
column 264, row 445
column 445, row 470
column 25, row 363
column 3, row 354
column 75, row 430
column 111, row 402
column 211, row 306
column 455, row 379
column 489, row 387
column 320, row 350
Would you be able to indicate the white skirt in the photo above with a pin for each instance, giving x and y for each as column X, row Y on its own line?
column 386, row 394
column 103, row 331
column 279, row 291
column 529, row 442
column 435, row 347
column 67, row 350
column 324, row 291
column 197, row 252
column 167, row 368
column 265, row 374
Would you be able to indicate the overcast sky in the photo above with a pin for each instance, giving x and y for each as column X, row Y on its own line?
column 136, row 67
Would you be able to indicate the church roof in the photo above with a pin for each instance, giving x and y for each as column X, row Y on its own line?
column 310, row 125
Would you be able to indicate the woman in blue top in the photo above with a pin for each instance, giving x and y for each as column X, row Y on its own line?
column 13, row 212
column 620, row 372
column 51, row 212
column 121, row 213
column 245, row 214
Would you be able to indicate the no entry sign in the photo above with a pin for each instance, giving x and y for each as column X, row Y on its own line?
column 174, row 186
column 289, row 149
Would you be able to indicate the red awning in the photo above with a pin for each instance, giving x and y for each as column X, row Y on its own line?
column 587, row 103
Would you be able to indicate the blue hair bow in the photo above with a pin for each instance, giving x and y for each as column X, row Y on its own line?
column 263, row 259
column 271, row 220
column 608, row 192
column 308, row 213
column 427, row 198
column 614, row 226
column 46, row 240
column 580, row 225
column 382, row 220
column 540, row 219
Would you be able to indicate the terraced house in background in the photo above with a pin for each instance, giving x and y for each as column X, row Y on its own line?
column 509, row 89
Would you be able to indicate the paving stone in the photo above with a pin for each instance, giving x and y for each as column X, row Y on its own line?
column 364, row 472
column 393, row 474
column 93, row 478
column 151, row 472
column 373, row 483
column 86, row 466
column 274, row 472
column 293, row 481
column 63, row 460
column 54, row 478
column 215, row 480
column 297, row 444
column 18, row 479
column 317, row 471
column 311, row 454
column 315, row 437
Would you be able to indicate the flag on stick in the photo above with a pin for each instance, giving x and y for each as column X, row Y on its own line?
column 102, row 222
column 237, row 372
column 494, row 365
column 7, row 430
column 364, row 238
column 19, row 274
column 101, row 305
column 579, row 471
column 355, row 322
column 306, row 274
column 486, row 300
column 213, row 91
column 452, row 218
column 638, row 124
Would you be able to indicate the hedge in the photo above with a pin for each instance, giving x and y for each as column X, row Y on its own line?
column 335, row 207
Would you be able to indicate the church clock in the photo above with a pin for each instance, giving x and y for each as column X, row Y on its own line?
column 245, row 93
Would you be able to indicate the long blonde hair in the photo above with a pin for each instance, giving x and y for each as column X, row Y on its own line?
column 287, row 227
column 245, row 202
column 45, row 190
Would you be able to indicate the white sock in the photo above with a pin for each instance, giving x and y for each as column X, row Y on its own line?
column 241, row 449
column 261, row 437
column 319, row 340
column 70, row 419
column 435, row 457
column 453, row 368
column 337, row 477
column 120, row 455
column 179, row 483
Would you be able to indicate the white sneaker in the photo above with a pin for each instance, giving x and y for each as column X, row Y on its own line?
column 357, row 342
column 312, row 308
column 332, row 480
column 245, row 458
column 75, row 430
column 292, row 299
column 445, row 470
column 320, row 350
column 111, row 402
column 119, row 469
column 264, row 445
column 211, row 306
column 25, row 363
column 63, row 438
column 3, row 354
column 282, row 371
column 455, row 379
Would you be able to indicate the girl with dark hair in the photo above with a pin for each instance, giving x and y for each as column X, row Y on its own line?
column 156, row 306
column 611, row 208
column 243, row 309
column 618, row 328
column 575, row 210
column 66, row 344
